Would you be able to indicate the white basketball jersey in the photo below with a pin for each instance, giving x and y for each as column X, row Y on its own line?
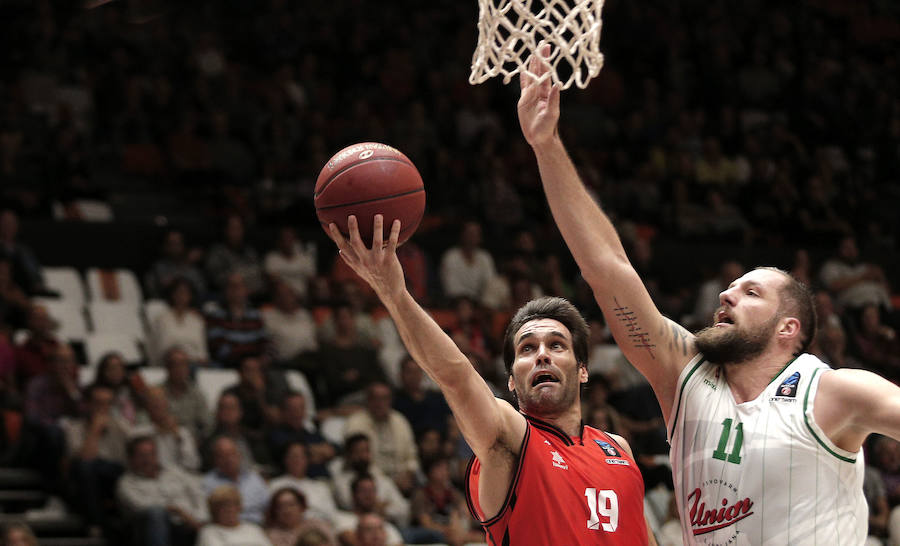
column 761, row 472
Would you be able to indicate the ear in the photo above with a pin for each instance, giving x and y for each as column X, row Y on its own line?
column 582, row 373
column 789, row 329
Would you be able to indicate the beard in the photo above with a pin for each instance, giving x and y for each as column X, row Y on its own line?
column 544, row 404
column 734, row 345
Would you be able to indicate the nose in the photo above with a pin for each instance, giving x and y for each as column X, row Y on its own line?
column 543, row 354
column 726, row 297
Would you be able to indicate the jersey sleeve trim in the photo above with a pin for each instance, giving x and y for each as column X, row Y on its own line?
column 510, row 493
column 814, row 427
column 686, row 373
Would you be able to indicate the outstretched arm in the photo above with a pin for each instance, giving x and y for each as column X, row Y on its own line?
column 656, row 346
column 492, row 428
column 851, row 404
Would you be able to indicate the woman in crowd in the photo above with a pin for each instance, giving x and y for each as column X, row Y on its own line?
column 286, row 518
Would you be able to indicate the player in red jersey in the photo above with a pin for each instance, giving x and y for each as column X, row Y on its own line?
column 540, row 477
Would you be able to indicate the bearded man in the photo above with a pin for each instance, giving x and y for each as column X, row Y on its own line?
column 765, row 438
column 539, row 475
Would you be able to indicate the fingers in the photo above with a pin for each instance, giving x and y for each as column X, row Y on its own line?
column 394, row 237
column 377, row 232
column 355, row 240
column 335, row 233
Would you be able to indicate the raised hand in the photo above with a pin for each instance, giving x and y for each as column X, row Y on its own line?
column 539, row 101
column 378, row 265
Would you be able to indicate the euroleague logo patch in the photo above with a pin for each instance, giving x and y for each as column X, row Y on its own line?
column 608, row 448
column 787, row 391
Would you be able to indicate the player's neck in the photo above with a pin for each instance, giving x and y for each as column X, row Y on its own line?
column 748, row 379
column 569, row 422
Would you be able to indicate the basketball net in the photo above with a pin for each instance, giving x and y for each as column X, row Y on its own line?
column 509, row 32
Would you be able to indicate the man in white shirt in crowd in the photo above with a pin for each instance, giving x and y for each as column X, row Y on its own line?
column 167, row 505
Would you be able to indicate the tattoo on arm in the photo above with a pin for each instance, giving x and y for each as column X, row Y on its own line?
column 679, row 339
column 639, row 337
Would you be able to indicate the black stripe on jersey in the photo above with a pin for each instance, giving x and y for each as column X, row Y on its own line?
column 511, row 492
column 547, row 427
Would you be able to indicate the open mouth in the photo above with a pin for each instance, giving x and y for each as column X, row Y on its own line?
column 722, row 319
column 543, row 377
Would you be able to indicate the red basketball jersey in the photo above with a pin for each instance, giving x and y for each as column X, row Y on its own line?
column 566, row 491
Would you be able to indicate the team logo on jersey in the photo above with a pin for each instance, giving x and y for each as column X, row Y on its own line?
column 720, row 512
column 788, row 389
column 608, row 448
column 558, row 460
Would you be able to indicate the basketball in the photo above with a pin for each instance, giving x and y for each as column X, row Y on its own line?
column 366, row 179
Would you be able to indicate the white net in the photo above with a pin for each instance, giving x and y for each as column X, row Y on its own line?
column 509, row 31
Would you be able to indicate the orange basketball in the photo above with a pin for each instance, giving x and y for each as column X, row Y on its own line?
column 366, row 179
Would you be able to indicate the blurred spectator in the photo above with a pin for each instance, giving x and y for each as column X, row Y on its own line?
column 235, row 330
column 175, row 444
column 286, row 518
column 415, row 269
column 876, row 499
column 372, row 530
column 226, row 526
column 164, row 504
column 18, row 534
column 292, row 262
column 317, row 492
column 54, row 393
column 228, row 469
column 14, row 303
column 854, row 283
column 439, row 510
column 227, row 422
column 877, row 343
column 708, row 295
column 392, row 441
column 177, row 262
column 128, row 387
column 830, row 345
column 352, row 361
column 365, row 503
column 261, row 391
column 186, row 402
column 466, row 268
column 423, row 408
column 293, row 427
column 33, row 356
column 357, row 462
column 289, row 326
column 180, row 323
column 26, row 270
column 95, row 449
column 234, row 255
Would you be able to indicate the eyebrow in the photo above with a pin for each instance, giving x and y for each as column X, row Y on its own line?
column 553, row 333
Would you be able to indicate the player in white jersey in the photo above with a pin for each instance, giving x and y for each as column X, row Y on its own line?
column 765, row 439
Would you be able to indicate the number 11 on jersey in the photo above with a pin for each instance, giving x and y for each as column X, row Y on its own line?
column 735, row 455
column 604, row 504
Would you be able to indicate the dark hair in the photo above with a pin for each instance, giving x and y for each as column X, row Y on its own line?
column 102, row 366
column 359, row 479
column 552, row 308
column 173, row 285
column 354, row 439
column 133, row 443
column 797, row 300
column 270, row 510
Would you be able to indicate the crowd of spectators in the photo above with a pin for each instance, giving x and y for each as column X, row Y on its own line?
column 760, row 125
